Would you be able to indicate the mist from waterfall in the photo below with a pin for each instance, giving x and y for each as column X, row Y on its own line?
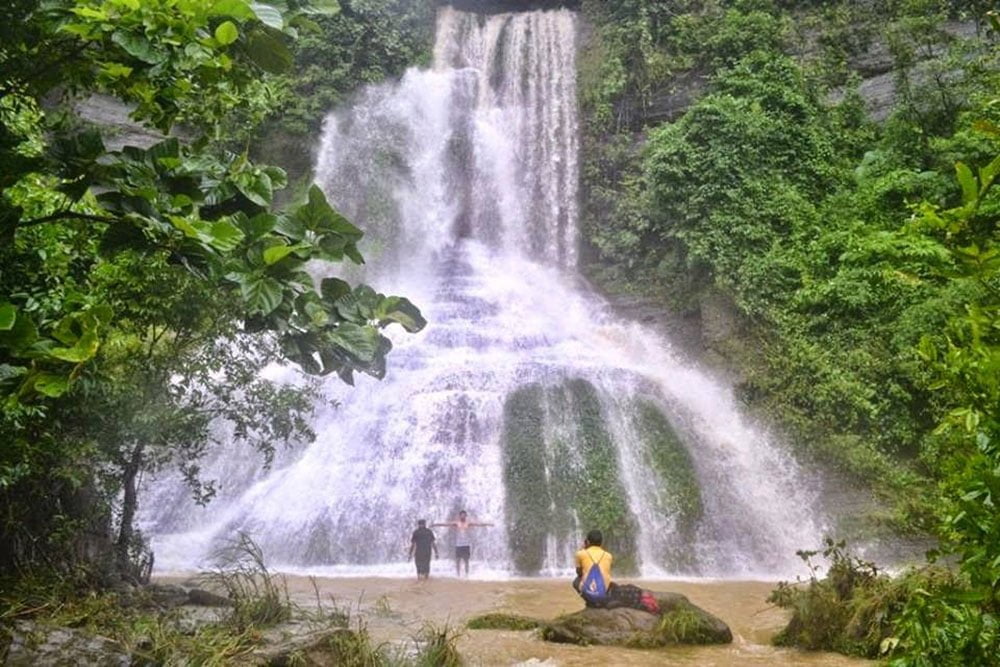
column 465, row 177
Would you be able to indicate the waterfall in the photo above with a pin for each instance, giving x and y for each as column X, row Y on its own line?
column 525, row 401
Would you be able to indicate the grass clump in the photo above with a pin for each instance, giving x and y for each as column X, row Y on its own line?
column 684, row 626
column 354, row 648
column 502, row 621
column 436, row 647
column 260, row 598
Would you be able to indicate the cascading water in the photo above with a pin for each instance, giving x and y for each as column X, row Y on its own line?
column 525, row 401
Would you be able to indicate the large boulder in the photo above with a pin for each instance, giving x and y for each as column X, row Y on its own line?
column 680, row 622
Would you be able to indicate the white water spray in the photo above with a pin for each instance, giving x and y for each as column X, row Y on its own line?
column 465, row 180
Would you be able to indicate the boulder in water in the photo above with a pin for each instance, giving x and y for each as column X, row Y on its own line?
column 680, row 622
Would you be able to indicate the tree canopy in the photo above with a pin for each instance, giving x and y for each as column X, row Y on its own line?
column 144, row 288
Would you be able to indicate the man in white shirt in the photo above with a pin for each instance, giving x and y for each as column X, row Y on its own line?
column 463, row 541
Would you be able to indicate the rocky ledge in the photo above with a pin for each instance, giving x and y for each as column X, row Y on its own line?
column 494, row 6
column 680, row 622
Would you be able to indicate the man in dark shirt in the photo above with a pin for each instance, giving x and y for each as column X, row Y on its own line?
column 421, row 545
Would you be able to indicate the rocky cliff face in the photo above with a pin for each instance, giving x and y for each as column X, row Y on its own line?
column 878, row 80
column 874, row 65
column 118, row 129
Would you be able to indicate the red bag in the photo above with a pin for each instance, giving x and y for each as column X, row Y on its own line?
column 649, row 602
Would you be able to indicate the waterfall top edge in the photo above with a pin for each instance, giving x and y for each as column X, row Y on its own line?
column 504, row 6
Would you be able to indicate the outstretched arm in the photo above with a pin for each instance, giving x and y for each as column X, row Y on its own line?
column 445, row 524
column 481, row 525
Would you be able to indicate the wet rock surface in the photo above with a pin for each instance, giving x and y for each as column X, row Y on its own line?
column 33, row 644
column 680, row 622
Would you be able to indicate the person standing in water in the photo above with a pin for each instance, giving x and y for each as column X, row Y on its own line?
column 421, row 545
column 463, row 542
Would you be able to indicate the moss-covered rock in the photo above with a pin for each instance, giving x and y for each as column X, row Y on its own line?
column 679, row 494
column 561, row 474
column 600, row 501
column 501, row 621
column 680, row 622
column 527, row 489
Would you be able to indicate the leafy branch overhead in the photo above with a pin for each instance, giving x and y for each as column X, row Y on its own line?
column 210, row 212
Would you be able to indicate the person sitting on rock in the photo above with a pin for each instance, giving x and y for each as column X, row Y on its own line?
column 593, row 570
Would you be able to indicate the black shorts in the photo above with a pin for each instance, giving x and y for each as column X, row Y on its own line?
column 423, row 564
column 463, row 553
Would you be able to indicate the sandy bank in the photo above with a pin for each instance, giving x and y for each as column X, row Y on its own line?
column 394, row 609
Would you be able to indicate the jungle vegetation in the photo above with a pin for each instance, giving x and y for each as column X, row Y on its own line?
column 730, row 153
column 143, row 289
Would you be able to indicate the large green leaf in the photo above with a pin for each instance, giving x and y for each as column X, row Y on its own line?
column 275, row 254
column 224, row 235
column 21, row 335
column 360, row 341
column 269, row 52
column 399, row 309
column 358, row 305
column 256, row 187
column 84, row 349
column 262, row 293
column 67, row 331
column 268, row 15
column 226, row 33
column 291, row 227
column 237, row 9
column 50, row 384
column 317, row 215
column 257, row 226
column 334, row 288
column 278, row 176
column 138, row 47
column 8, row 313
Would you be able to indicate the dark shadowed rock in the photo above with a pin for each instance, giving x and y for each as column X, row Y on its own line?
column 203, row 598
column 679, row 623
column 167, row 596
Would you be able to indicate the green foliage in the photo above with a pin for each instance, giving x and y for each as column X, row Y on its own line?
column 142, row 290
column 677, row 626
column 963, row 625
column 259, row 598
column 790, row 208
column 864, row 273
column 365, row 42
column 854, row 608
column 150, row 635
column 436, row 647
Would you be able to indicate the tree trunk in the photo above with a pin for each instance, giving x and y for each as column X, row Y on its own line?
column 126, row 533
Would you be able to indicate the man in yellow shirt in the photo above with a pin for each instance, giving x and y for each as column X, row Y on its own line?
column 593, row 570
